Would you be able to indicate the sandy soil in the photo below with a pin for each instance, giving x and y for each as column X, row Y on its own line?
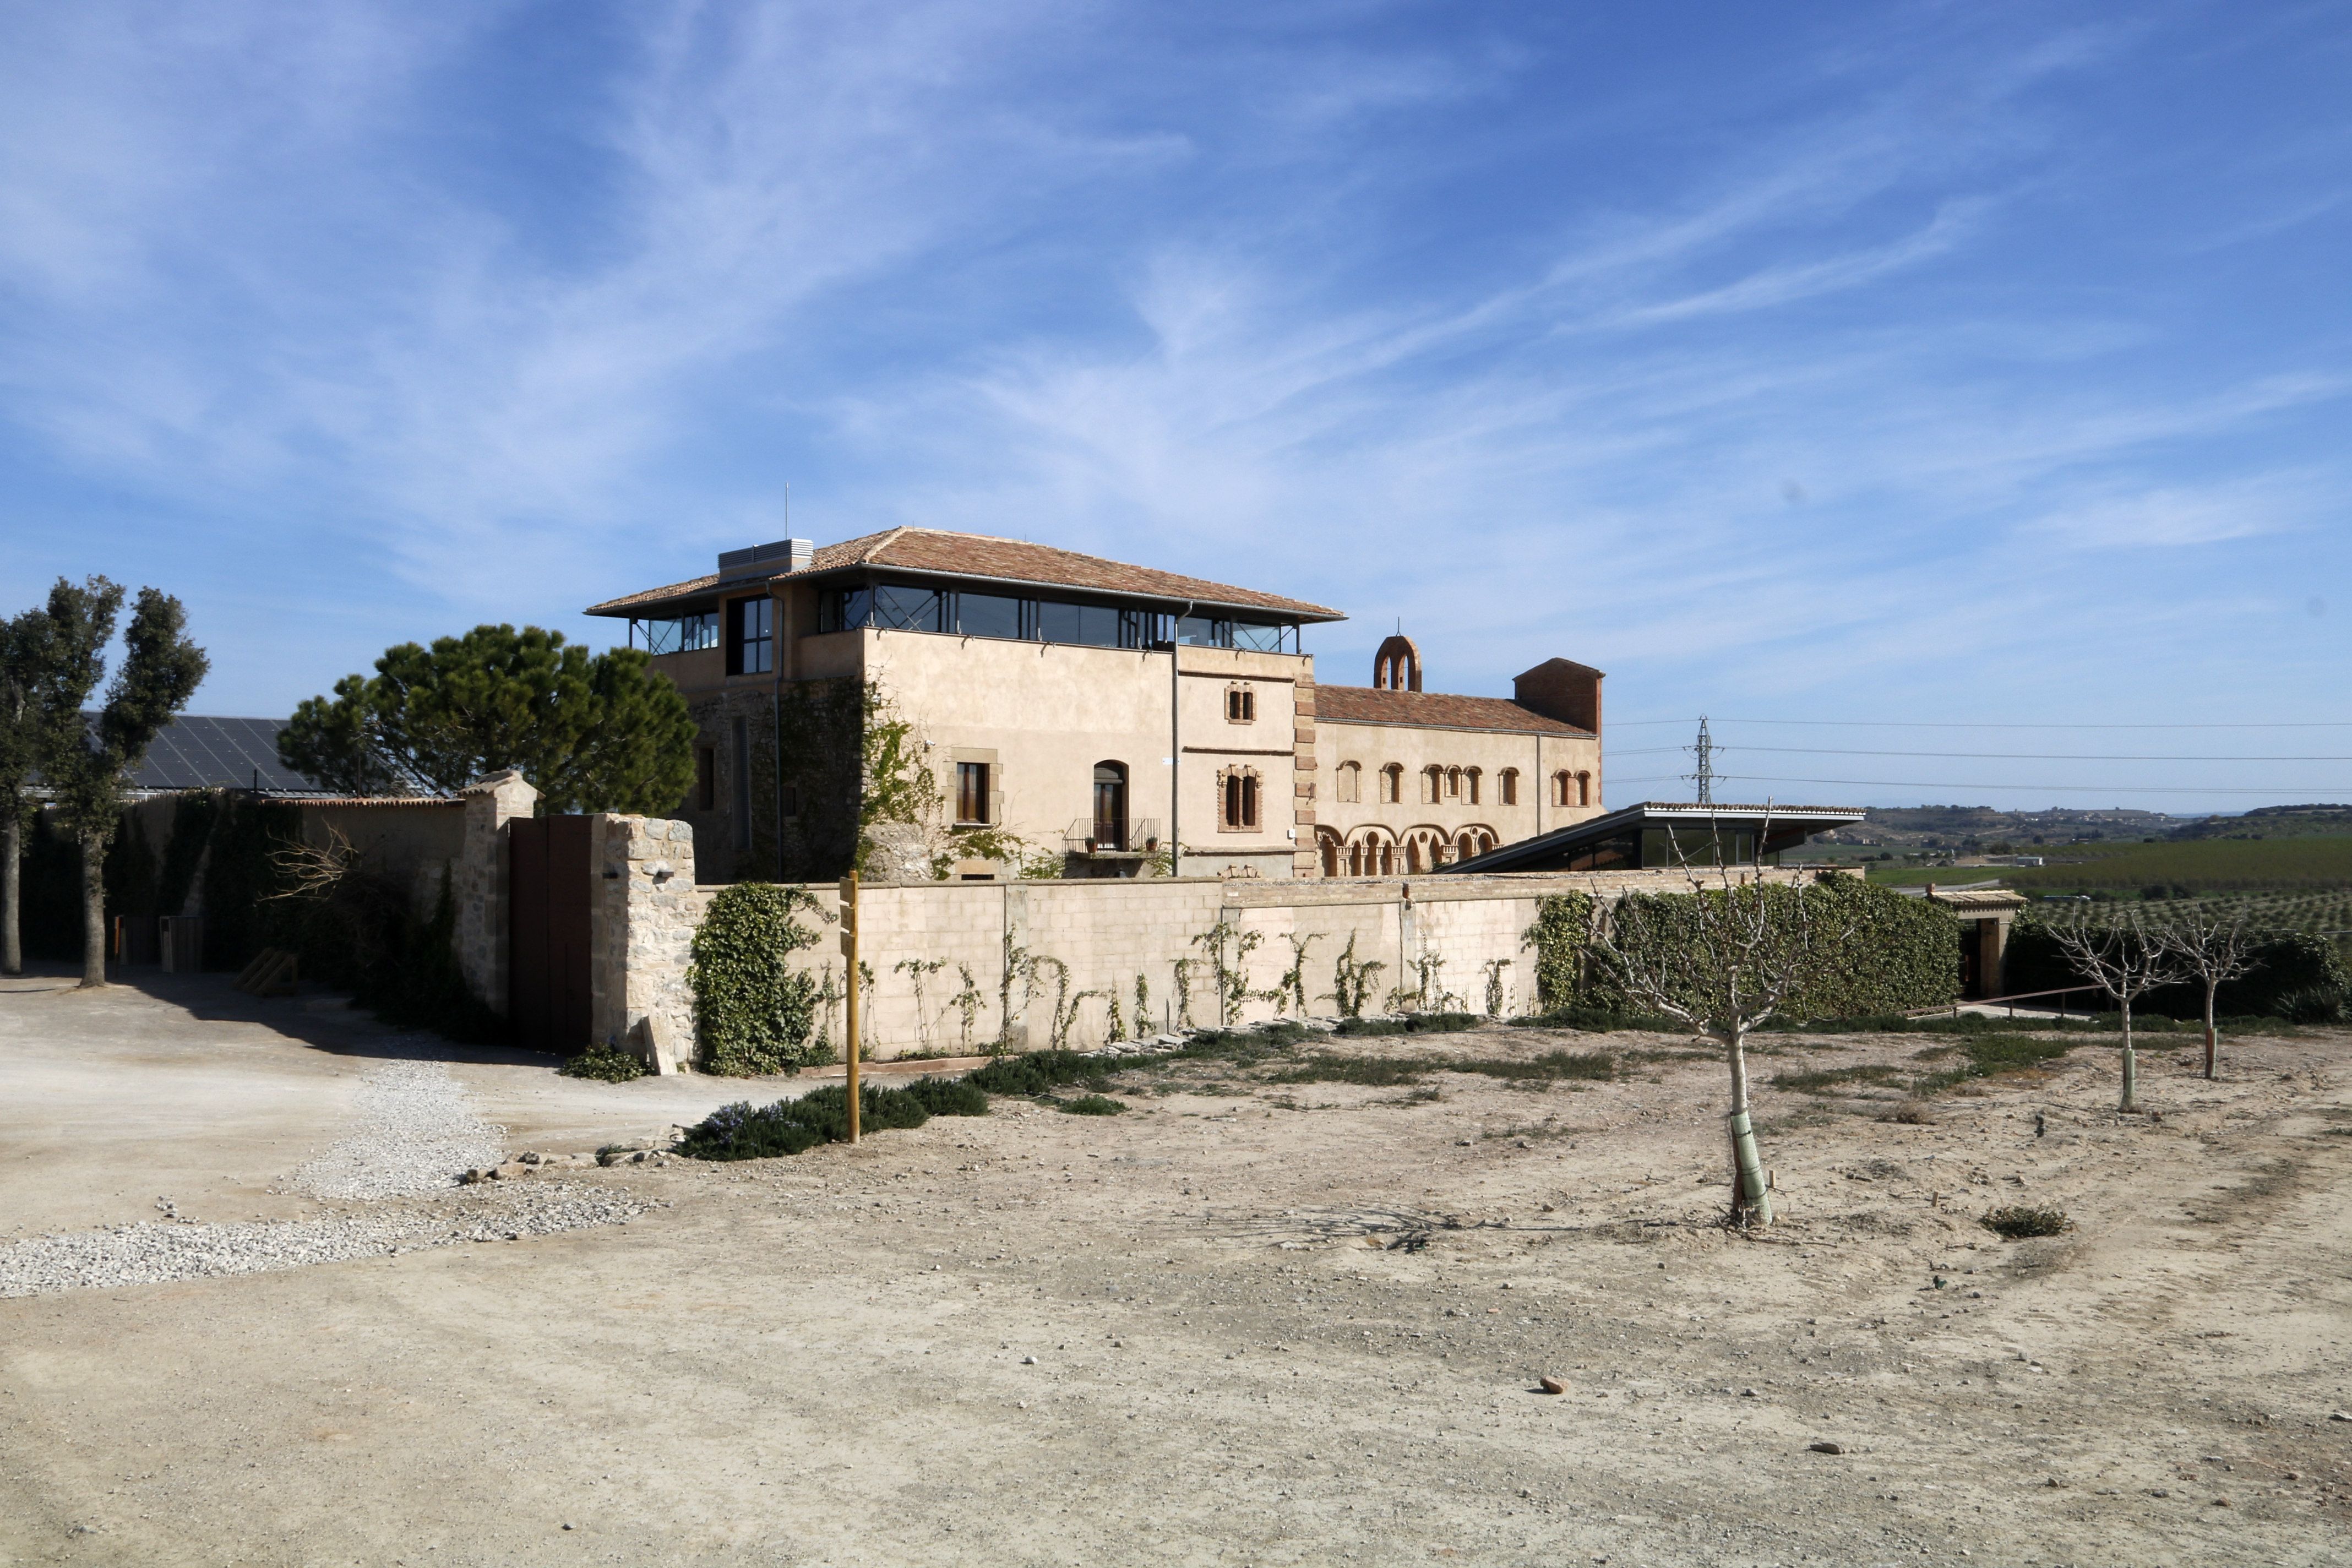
column 1253, row 1322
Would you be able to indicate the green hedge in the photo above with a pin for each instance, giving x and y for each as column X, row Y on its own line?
column 1871, row 950
column 740, row 1131
column 2290, row 964
column 753, row 1015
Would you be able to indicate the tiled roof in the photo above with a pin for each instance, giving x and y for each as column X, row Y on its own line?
column 1431, row 710
column 932, row 549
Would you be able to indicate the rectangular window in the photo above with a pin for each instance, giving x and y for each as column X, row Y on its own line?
column 1240, row 803
column 791, row 800
column 742, row 782
column 902, row 609
column 1473, row 786
column 990, row 615
column 1241, row 706
column 1510, row 786
column 847, row 611
column 1350, row 777
column 972, row 792
column 688, row 634
column 1200, row 631
column 706, row 778
column 1138, row 628
column 1089, row 625
column 1264, row 638
column 751, row 642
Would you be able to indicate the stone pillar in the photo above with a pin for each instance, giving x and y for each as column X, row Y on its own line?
column 491, row 802
column 644, row 909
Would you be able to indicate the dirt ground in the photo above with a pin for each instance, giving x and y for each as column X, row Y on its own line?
column 1244, row 1323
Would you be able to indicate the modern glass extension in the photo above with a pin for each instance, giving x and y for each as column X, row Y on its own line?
column 899, row 608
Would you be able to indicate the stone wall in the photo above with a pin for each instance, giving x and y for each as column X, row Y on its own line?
column 1435, row 936
column 491, row 802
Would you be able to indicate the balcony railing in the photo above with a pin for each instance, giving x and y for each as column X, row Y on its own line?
column 1134, row 839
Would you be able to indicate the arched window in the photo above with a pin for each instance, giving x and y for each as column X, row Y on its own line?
column 1110, row 806
column 1330, row 856
column 1388, row 860
column 1355, row 860
column 1470, row 781
column 1454, row 783
column 1510, row 782
column 1465, row 846
column 1584, row 789
column 1350, row 781
column 1563, row 789
column 1432, row 781
column 1412, row 856
column 1392, row 784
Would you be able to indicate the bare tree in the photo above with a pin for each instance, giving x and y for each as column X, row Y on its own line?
column 2126, row 961
column 2214, row 948
column 1750, row 944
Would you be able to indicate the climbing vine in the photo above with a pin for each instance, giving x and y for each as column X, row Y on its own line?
column 751, row 1013
column 1352, row 980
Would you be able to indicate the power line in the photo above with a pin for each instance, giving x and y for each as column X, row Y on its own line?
column 2301, row 792
column 1942, row 724
column 2014, row 756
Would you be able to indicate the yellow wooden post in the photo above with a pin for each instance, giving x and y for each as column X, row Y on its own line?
column 849, row 952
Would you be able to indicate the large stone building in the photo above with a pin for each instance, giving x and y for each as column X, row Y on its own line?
column 1083, row 713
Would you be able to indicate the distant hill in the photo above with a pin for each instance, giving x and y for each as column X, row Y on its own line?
column 1979, row 828
column 2272, row 822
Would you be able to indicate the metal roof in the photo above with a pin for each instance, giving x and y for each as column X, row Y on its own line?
column 1533, row 854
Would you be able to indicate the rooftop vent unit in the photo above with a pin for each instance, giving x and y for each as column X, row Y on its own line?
column 767, row 560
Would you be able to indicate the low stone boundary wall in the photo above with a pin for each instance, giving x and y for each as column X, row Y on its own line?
column 1076, row 944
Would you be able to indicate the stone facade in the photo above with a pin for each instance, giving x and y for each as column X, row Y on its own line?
column 643, row 912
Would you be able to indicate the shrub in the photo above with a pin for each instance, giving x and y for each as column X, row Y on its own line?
column 1092, row 1105
column 742, row 1132
column 604, row 1064
column 2021, row 1220
column 2312, row 1005
column 1604, row 1021
column 1411, row 1024
column 753, row 1015
column 2285, row 962
column 1900, row 952
column 1036, row 1072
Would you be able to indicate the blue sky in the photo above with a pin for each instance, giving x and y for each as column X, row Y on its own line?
column 1943, row 364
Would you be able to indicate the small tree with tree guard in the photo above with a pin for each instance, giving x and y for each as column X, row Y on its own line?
column 1746, row 947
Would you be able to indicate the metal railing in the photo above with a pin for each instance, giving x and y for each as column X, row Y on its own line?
column 1953, row 1009
column 1086, row 835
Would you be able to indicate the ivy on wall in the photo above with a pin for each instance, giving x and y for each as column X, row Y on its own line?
column 751, row 1013
column 1870, row 949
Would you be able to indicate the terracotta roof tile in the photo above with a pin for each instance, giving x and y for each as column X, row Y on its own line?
column 932, row 549
column 1431, row 710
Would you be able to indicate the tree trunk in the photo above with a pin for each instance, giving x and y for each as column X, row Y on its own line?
column 1751, row 1204
column 2131, row 1065
column 2211, row 1050
column 93, row 912
column 12, row 849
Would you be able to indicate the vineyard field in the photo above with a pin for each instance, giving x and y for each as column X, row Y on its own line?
column 2301, row 865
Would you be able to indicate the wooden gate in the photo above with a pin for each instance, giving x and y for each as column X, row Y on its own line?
column 547, row 933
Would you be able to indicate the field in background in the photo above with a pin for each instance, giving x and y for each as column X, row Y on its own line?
column 2298, row 865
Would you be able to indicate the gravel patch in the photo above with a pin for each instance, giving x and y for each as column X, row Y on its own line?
column 415, row 1134
column 154, row 1251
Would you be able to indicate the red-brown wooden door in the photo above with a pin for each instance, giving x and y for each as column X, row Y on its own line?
column 547, row 933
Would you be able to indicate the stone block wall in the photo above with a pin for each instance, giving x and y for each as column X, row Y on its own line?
column 1434, row 937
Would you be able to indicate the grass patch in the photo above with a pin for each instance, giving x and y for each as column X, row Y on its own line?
column 1389, row 1072
column 604, row 1064
column 1091, row 1105
column 1602, row 1021
column 1413, row 1024
column 1829, row 1080
column 2023, row 1220
column 743, row 1132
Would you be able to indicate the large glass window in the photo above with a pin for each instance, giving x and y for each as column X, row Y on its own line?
column 1201, row 631
column 902, row 609
column 686, row 634
column 752, row 643
column 990, row 615
column 1093, row 626
column 1264, row 638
